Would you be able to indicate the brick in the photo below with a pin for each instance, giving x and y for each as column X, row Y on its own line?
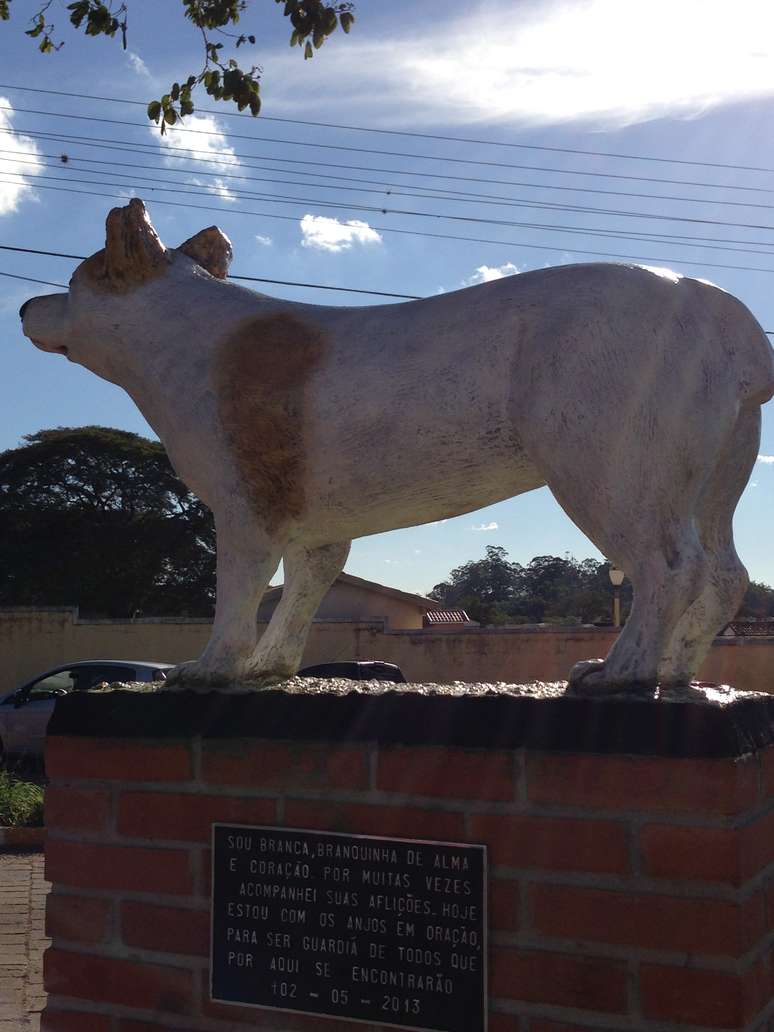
column 757, row 845
column 553, row 843
column 695, row 996
column 535, row 976
column 132, row 1025
column 74, row 1021
column 450, row 773
column 78, row 918
column 504, row 905
column 356, row 818
column 692, row 854
column 283, row 767
column 77, row 809
column 89, row 866
column 539, row 1025
column 718, row 787
column 166, row 929
column 503, row 1023
column 109, row 980
column 186, row 817
column 766, row 759
column 648, row 921
column 106, row 758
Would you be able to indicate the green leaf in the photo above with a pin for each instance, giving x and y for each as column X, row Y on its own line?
column 154, row 110
column 308, row 52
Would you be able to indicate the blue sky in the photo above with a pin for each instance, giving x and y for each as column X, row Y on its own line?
column 691, row 82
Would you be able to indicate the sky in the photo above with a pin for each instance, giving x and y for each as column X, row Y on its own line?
column 486, row 139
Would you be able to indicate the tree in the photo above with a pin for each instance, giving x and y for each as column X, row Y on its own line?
column 97, row 518
column 758, row 602
column 312, row 21
column 550, row 589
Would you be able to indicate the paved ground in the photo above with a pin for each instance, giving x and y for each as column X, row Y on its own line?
column 22, row 942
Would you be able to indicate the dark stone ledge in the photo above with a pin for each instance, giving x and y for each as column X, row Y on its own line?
column 703, row 721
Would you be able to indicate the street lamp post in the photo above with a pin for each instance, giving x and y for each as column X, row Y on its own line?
column 616, row 579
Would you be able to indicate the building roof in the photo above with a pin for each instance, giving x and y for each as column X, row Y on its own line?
column 751, row 628
column 445, row 617
column 367, row 585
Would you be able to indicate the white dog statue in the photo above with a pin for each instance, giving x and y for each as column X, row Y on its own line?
column 633, row 394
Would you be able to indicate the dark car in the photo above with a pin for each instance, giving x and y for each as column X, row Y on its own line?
column 25, row 712
column 356, row 670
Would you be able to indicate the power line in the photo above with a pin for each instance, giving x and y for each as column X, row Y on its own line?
column 176, row 151
column 34, row 158
column 410, row 133
column 435, row 236
column 356, row 150
column 29, row 279
column 251, row 279
column 702, row 243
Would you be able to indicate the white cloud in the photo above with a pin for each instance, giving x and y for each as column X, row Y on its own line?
column 264, row 241
column 138, row 65
column 487, row 273
column 767, row 459
column 20, row 156
column 200, row 133
column 556, row 61
column 485, row 526
column 325, row 234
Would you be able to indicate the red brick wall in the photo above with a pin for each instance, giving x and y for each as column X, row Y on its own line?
column 627, row 893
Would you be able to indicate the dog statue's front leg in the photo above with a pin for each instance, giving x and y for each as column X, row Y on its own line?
column 246, row 560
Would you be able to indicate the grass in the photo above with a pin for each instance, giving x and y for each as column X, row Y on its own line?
column 21, row 802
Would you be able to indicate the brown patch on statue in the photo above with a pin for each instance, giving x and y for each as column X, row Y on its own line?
column 132, row 255
column 263, row 372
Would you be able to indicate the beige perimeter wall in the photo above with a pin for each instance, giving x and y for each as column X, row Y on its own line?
column 31, row 641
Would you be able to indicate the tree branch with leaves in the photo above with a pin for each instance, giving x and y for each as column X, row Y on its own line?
column 221, row 77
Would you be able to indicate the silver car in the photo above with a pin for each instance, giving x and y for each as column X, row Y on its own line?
column 25, row 712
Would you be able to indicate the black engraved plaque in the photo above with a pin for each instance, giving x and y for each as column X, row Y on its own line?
column 381, row 930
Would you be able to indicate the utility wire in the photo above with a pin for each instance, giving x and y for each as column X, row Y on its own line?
column 702, row 243
column 33, row 158
column 251, row 279
column 29, row 279
column 433, row 236
column 356, row 150
column 410, row 133
column 176, row 151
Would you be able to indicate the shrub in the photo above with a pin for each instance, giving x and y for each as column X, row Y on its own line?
column 21, row 802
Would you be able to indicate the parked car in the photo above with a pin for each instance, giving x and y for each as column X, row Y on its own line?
column 25, row 712
column 357, row 670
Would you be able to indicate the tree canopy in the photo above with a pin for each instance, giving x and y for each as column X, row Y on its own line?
column 222, row 78
column 494, row 590
column 97, row 518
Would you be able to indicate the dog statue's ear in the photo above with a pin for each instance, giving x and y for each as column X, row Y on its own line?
column 133, row 251
column 212, row 249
